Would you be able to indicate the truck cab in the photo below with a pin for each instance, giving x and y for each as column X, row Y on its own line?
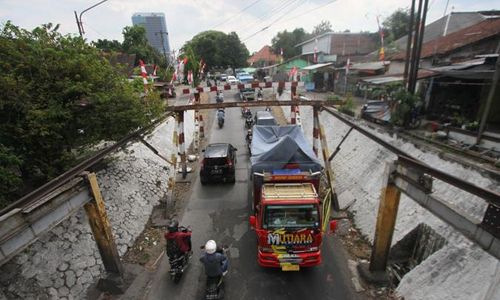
column 289, row 226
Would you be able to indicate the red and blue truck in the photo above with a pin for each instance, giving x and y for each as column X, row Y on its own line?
column 289, row 217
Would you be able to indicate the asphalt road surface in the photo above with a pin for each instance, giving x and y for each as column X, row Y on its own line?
column 220, row 212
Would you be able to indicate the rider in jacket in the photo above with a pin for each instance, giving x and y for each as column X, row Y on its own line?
column 179, row 240
column 215, row 262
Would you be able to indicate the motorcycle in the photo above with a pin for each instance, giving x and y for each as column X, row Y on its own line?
column 215, row 285
column 219, row 98
column 248, row 139
column 260, row 97
column 220, row 118
column 178, row 263
column 249, row 122
column 246, row 112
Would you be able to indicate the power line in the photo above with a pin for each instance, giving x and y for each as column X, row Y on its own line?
column 266, row 16
column 233, row 16
column 313, row 9
column 273, row 22
column 294, row 17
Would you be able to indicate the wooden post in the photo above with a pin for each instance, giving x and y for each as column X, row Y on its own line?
column 101, row 228
column 386, row 221
column 325, row 152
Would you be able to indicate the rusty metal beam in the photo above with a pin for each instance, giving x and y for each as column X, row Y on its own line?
column 101, row 228
column 386, row 221
column 488, row 195
column 409, row 181
column 245, row 104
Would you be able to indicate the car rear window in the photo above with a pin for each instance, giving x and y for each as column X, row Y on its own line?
column 267, row 122
column 216, row 161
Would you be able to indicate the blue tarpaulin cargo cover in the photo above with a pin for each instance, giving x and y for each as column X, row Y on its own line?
column 275, row 146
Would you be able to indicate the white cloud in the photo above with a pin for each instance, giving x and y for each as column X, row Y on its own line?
column 186, row 18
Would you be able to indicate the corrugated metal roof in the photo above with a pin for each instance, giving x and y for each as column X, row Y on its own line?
column 374, row 65
column 485, row 29
column 461, row 66
column 316, row 66
column 396, row 77
column 458, row 21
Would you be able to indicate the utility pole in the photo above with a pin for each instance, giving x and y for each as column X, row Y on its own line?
column 161, row 33
column 409, row 44
column 79, row 19
column 491, row 94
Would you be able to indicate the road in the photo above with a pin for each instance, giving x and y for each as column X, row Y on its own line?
column 220, row 212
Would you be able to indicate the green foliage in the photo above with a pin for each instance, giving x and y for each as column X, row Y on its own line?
column 59, row 96
column 218, row 49
column 10, row 175
column 403, row 104
column 323, row 27
column 348, row 106
column 333, row 98
column 193, row 64
column 396, row 25
column 108, row 46
column 135, row 42
column 287, row 40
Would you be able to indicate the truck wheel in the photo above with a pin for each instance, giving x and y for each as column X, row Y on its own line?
column 203, row 181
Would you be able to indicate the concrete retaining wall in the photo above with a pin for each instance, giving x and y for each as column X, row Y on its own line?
column 66, row 261
column 460, row 270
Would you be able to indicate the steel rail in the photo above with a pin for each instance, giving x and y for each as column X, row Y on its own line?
column 366, row 133
column 77, row 170
column 406, row 159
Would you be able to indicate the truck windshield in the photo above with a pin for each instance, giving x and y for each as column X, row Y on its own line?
column 291, row 216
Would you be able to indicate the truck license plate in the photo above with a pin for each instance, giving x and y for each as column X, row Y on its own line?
column 215, row 172
column 290, row 268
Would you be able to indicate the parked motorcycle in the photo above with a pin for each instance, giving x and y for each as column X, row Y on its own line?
column 178, row 263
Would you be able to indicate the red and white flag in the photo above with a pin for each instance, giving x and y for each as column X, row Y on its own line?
column 144, row 74
column 347, row 66
column 174, row 77
column 154, row 69
column 315, row 56
column 190, row 77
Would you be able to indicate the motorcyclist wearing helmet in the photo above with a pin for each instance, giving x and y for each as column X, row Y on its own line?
column 215, row 262
column 179, row 240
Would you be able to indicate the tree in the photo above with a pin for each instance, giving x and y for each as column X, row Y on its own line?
column 218, row 49
column 108, row 46
column 60, row 96
column 287, row 41
column 396, row 25
column 136, row 42
column 323, row 27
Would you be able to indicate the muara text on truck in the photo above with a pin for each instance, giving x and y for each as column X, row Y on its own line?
column 290, row 219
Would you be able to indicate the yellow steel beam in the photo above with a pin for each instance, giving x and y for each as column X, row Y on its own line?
column 386, row 221
column 101, row 228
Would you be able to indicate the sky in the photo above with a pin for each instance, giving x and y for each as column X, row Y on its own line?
column 186, row 18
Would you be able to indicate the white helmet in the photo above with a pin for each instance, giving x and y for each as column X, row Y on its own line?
column 210, row 247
